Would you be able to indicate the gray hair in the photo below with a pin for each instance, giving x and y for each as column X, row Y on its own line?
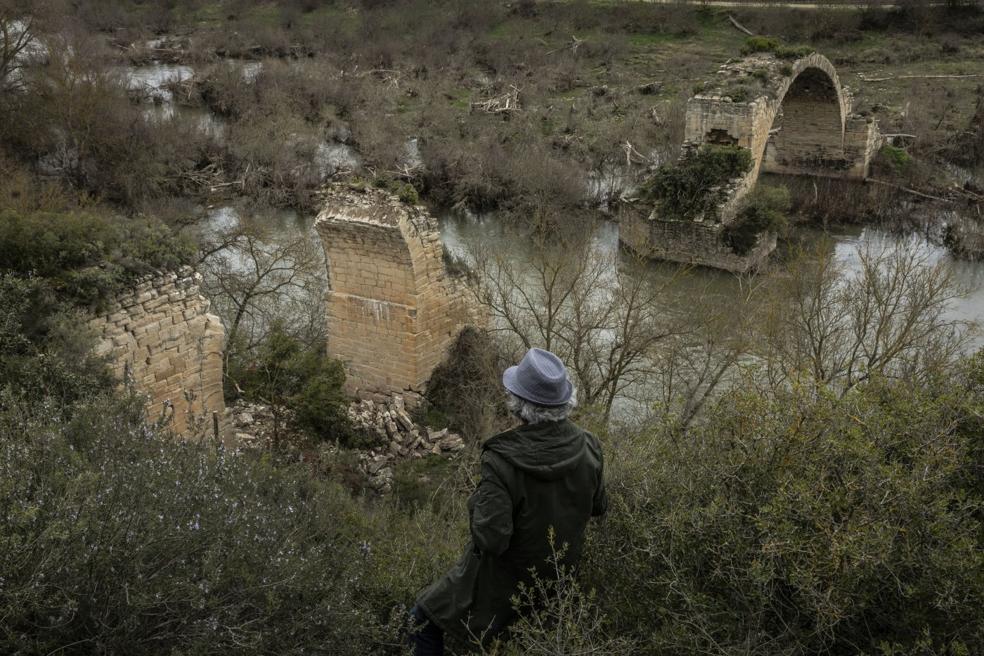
column 532, row 413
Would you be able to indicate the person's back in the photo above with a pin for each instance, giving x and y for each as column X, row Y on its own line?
column 540, row 484
column 557, row 476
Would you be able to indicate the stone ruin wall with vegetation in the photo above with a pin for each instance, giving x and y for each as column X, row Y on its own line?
column 690, row 242
column 160, row 336
column 819, row 136
column 794, row 118
column 392, row 308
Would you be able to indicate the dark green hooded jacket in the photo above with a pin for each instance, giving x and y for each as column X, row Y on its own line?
column 534, row 477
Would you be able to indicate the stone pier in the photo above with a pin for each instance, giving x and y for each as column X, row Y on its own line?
column 392, row 308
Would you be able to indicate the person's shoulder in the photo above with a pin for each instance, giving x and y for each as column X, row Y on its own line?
column 496, row 440
column 592, row 442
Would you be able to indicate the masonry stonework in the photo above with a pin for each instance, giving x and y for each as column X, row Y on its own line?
column 690, row 242
column 796, row 119
column 392, row 308
column 161, row 338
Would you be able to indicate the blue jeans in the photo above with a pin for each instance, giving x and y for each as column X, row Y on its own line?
column 426, row 638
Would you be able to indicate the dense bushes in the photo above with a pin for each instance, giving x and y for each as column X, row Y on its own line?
column 86, row 257
column 763, row 210
column 803, row 524
column 117, row 539
column 288, row 374
column 798, row 523
column 695, row 186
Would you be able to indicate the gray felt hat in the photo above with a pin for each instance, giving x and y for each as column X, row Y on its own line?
column 540, row 378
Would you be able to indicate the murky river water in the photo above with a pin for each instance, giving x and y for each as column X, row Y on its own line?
column 461, row 233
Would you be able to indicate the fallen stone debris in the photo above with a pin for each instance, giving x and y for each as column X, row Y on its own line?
column 405, row 440
column 252, row 424
column 384, row 417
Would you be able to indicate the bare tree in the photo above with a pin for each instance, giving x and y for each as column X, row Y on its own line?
column 17, row 41
column 837, row 329
column 695, row 364
column 256, row 277
column 608, row 317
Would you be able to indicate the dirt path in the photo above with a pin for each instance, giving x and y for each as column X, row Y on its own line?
column 739, row 4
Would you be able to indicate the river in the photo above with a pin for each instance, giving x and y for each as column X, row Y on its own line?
column 462, row 232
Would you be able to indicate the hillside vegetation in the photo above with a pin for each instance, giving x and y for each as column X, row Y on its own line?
column 809, row 481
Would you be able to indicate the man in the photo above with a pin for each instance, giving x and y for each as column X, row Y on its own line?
column 544, row 474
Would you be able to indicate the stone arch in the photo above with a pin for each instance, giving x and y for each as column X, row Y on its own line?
column 797, row 121
column 806, row 133
column 794, row 117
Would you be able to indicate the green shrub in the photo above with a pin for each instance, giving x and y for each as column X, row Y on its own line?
column 557, row 616
column 739, row 93
column 408, row 194
column 117, row 539
column 695, row 186
column 416, row 481
column 466, row 387
column 897, row 159
column 44, row 355
column 289, row 375
column 775, row 46
column 760, row 44
column 764, row 210
column 86, row 258
column 793, row 52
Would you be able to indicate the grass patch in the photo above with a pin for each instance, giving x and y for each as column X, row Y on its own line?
column 765, row 44
column 764, row 210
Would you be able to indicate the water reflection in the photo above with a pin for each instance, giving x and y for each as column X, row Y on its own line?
column 464, row 233
column 851, row 242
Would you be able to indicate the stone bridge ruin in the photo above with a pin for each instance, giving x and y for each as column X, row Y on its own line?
column 795, row 117
column 392, row 308
column 160, row 337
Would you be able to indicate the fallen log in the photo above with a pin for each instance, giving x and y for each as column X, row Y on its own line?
column 739, row 26
column 907, row 190
column 865, row 78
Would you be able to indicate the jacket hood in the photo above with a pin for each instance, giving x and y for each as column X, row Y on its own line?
column 547, row 450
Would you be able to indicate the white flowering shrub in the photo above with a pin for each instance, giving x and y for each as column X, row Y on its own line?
column 118, row 539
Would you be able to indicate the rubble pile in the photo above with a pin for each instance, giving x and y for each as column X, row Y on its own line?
column 252, row 424
column 404, row 439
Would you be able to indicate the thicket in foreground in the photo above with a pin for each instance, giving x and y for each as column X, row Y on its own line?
column 798, row 523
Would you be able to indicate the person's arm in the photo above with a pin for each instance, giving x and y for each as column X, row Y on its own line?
column 599, row 504
column 492, row 511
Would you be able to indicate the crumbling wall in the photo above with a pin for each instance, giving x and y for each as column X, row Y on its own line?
column 160, row 336
column 392, row 309
column 795, row 118
column 690, row 242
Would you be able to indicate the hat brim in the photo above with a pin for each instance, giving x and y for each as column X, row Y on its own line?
column 511, row 382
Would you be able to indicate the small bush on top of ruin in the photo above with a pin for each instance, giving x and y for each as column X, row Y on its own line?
column 754, row 44
column 764, row 211
column 896, row 159
column 760, row 44
column 695, row 186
